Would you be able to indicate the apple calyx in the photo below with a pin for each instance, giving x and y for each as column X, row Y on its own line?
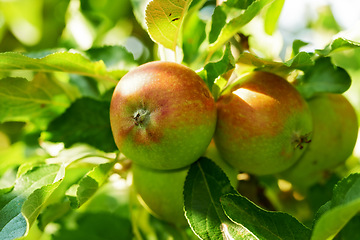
column 299, row 141
column 141, row 117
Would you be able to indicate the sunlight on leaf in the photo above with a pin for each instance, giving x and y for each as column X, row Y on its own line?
column 262, row 224
column 164, row 20
column 90, row 183
column 59, row 62
column 20, row 207
column 39, row 100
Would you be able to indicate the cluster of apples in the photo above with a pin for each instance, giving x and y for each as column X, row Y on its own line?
column 164, row 117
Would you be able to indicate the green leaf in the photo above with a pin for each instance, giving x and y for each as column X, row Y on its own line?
column 59, row 62
column 204, row 185
column 351, row 230
column 323, row 77
column 86, row 121
column 20, row 207
column 164, row 20
column 344, row 205
column 297, row 44
column 116, row 58
column 90, row 183
column 338, row 44
column 215, row 69
column 261, row 223
column 39, row 100
column 302, row 60
column 234, row 24
column 272, row 15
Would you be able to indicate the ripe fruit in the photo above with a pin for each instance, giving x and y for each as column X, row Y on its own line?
column 334, row 137
column 162, row 115
column 263, row 125
column 161, row 191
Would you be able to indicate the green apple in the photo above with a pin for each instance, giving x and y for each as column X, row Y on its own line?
column 162, row 115
column 264, row 125
column 161, row 191
column 213, row 153
column 334, row 137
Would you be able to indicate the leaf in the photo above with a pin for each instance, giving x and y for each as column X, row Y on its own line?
column 20, row 207
column 261, row 223
column 39, row 100
column 351, row 230
column 90, row 183
column 272, row 15
column 204, row 185
column 86, row 121
column 323, row 77
column 337, row 44
column 59, row 62
column 301, row 61
column 234, row 25
column 116, row 58
column 297, row 44
column 164, row 19
column 344, row 205
column 215, row 69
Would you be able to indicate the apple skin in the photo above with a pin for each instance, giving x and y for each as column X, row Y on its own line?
column 161, row 191
column 162, row 115
column 264, row 125
column 334, row 137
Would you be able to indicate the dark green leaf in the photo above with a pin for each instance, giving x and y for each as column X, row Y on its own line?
column 235, row 23
column 204, row 185
column 240, row 4
column 302, row 60
column 324, row 77
column 215, row 69
column 87, row 121
column 218, row 22
column 335, row 214
column 351, row 230
column 20, row 207
column 90, row 183
column 261, row 223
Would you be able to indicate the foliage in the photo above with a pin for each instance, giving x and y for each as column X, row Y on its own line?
column 61, row 176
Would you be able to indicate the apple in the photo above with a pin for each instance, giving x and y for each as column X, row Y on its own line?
column 161, row 191
column 334, row 137
column 264, row 125
column 162, row 115
column 213, row 153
